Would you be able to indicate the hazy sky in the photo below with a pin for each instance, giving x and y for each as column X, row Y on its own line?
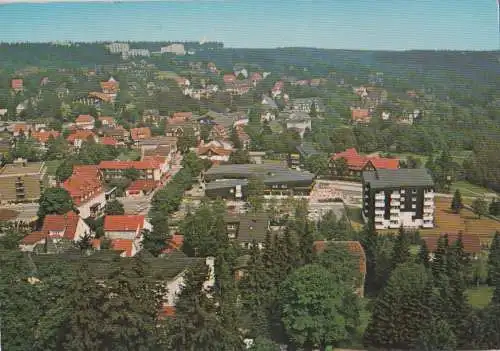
column 343, row 24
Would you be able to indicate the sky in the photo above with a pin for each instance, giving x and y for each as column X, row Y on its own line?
column 331, row 24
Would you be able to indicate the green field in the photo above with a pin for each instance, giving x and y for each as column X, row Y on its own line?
column 481, row 296
column 468, row 189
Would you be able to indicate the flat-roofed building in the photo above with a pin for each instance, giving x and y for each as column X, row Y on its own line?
column 22, row 181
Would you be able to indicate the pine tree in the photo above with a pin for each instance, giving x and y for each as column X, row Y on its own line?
column 423, row 255
column 291, row 253
column 456, row 202
column 401, row 251
column 369, row 243
column 439, row 264
column 494, row 260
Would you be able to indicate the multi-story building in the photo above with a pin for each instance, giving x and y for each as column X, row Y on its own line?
column 117, row 48
column 149, row 169
column 395, row 198
column 22, row 181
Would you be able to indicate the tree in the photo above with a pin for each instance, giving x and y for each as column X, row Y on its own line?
column 437, row 335
column 341, row 167
column 480, row 207
column 401, row 250
column 64, row 171
column 423, row 255
column 114, row 207
column 54, row 201
column 494, row 207
column 456, row 202
column 440, row 261
column 313, row 112
column 57, row 149
column 263, row 344
column 131, row 174
column 255, row 193
column 494, row 260
column 313, row 310
column 405, row 303
column 187, row 140
column 318, row 164
column 239, row 156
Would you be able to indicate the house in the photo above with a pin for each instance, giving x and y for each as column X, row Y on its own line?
column 215, row 154
column 86, row 188
column 247, row 229
column 278, row 180
column 166, row 144
column 22, row 129
column 107, row 121
column 22, row 181
column 269, row 103
column 120, row 134
column 174, row 244
column 140, row 133
column 43, row 137
column 181, row 117
column 218, row 132
column 305, row 105
column 150, row 170
column 301, row 82
column 110, row 87
column 355, row 249
column 300, row 125
column 69, row 226
column 85, row 122
column 128, row 227
column 255, row 78
column 141, row 187
column 17, row 85
column 182, row 82
column 471, row 243
column 153, row 117
column 316, row 82
column 356, row 163
column 360, row 115
column 176, row 129
column 277, row 88
column 229, row 78
column 394, row 198
column 212, row 67
column 177, row 49
column 80, row 136
column 243, row 137
column 108, row 141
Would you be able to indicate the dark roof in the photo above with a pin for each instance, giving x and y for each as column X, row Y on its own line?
column 250, row 226
column 395, row 178
column 225, row 183
column 307, row 150
column 269, row 173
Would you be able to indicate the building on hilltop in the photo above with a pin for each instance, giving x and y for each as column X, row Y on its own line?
column 356, row 163
column 395, row 198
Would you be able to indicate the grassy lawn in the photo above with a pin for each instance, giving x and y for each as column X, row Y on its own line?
column 52, row 166
column 480, row 297
column 468, row 189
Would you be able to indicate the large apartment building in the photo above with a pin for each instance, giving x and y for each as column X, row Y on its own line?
column 398, row 197
column 22, row 181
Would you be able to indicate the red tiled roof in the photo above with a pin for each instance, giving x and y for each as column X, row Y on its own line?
column 203, row 150
column 140, row 133
column 123, row 223
column 110, row 85
column 43, row 137
column 142, row 185
column 357, row 162
column 125, row 245
column 167, row 311
column 256, row 76
column 471, row 242
column 229, row 78
column 33, row 238
column 175, row 243
column 80, row 135
column 66, row 223
column 84, row 183
column 16, row 84
column 22, row 127
column 96, row 244
column 149, row 164
column 107, row 140
column 102, row 96
column 360, row 114
column 354, row 247
column 85, row 119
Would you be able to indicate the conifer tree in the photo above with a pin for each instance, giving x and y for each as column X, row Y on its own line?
column 423, row 255
column 456, row 202
column 369, row 243
column 439, row 264
column 401, row 250
column 291, row 252
column 494, row 260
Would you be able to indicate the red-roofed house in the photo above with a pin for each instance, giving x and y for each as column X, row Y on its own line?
column 17, row 85
column 361, row 115
column 110, row 87
column 85, row 186
column 43, row 136
column 125, row 227
column 79, row 137
column 214, row 154
column 127, row 247
column 85, row 122
column 229, row 78
column 356, row 250
column 356, row 163
column 174, row 244
column 182, row 116
column 149, row 169
column 140, row 133
column 107, row 140
column 69, row 226
column 22, row 128
column 277, row 88
column 255, row 78
column 141, row 187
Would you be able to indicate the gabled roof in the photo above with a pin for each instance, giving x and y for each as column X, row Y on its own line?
column 140, row 133
column 85, row 119
column 355, row 161
column 149, row 164
column 107, row 140
column 16, row 83
column 123, row 223
column 250, row 226
column 80, row 135
column 44, row 136
column 182, row 115
column 174, row 244
column 360, row 114
column 33, row 238
column 66, row 223
column 123, row 245
column 204, row 150
column 142, row 185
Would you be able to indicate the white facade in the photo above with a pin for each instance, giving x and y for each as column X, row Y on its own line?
column 401, row 217
column 177, row 49
column 84, row 209
column 116, row 48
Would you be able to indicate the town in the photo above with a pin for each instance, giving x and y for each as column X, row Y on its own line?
column 232, row 203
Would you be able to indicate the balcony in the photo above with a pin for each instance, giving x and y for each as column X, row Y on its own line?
column 395, row 203
column 428, row 202
column 379, row 212
column 380, row 196
column 395, row 210
column 379, row 204
column 395, row 195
